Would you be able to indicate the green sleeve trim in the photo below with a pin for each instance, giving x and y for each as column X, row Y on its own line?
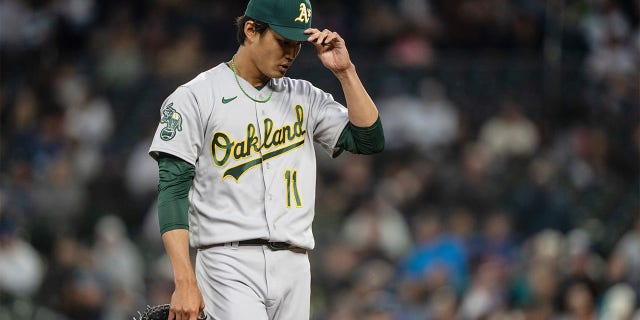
column 176, row 176
column 367, row 140
column 173, row 215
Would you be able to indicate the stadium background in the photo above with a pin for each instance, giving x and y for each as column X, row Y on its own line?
column 509, row 188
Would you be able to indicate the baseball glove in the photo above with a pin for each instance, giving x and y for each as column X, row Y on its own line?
column 159, row 312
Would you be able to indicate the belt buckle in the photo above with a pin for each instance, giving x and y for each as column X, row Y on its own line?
column 278, row 245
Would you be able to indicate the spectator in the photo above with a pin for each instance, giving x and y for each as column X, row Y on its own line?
column 407, row 187
column 340, row 262
column 546, row 246
column 185, row 58
column 540, row 194
column 376, row 228
column 23, row 127
column 429, row 121
column 486, row 296
column 580, row 261
column 23, row 26
column 611, row 58
column 116, row 256
column 461, row 223
column 579, row 300
column 84, row 296
column 118, row 260
column 66, row 257
column 628, row 250
column 497, row 242
column 16, row 192
column 59, row 197
column 605, row 21
column 443, row 304
column 141, row 178
column 538, row 290
column 509, row 134
column 619, row 303
column 88, row 124
column 21, row 267
column 469, row 183
column 121, row 62
column 436, row 260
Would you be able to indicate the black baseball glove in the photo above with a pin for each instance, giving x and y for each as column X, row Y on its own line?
column 160, row 312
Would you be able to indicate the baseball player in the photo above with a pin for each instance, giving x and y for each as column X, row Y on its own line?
column 235, row 150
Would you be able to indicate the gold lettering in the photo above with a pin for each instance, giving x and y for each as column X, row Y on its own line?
column 286, row 133
column 223, row 147
column 298, row 125
column 252, row 140
column 268, row 126
column 222, row 142
column 278, row 137
column 238, row 150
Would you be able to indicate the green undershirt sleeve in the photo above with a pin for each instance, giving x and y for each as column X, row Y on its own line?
column 176, row 176
column 360, row 140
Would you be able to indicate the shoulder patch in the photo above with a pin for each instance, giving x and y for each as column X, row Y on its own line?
column 173, row 121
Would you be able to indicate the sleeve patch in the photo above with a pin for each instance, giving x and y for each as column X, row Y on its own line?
column 173, row 122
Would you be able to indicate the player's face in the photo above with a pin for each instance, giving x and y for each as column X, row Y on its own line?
column 273, row 54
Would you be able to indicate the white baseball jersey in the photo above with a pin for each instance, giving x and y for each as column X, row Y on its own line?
column 255, row 166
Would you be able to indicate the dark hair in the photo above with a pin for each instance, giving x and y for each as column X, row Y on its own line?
column 241, row 20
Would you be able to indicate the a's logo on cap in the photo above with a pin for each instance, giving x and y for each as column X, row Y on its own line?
column 305, row 14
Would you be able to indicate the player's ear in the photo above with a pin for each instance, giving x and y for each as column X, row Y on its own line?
column 250, row 31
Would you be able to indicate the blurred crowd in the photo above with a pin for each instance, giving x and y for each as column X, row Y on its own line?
column 509, row 187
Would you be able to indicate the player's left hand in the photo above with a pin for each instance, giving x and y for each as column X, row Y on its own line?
column 331, row 49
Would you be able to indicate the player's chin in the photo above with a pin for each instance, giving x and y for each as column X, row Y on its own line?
column 275, row 74
column 280, row 71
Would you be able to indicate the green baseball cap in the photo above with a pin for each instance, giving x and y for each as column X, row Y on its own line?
column 289, row 18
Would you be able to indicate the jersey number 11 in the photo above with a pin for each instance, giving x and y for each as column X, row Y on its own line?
column 291, row 179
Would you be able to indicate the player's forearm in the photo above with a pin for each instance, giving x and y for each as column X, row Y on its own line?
column 362, row 110
column 176, row 243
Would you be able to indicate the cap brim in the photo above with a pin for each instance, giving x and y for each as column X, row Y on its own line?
column 295, row 34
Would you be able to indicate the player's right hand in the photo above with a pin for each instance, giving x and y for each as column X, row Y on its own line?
column 186, row 301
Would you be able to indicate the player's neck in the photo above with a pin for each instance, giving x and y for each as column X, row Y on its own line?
column 247, row 70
